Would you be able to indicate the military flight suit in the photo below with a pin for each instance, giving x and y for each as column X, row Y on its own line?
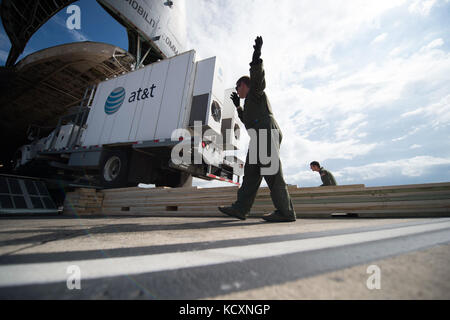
column 327, row 178
column 257, row 114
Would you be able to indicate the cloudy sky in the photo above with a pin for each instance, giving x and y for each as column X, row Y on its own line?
column 363, row 87
column 360, row 86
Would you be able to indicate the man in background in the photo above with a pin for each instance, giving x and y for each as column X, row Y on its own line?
column 325, row 175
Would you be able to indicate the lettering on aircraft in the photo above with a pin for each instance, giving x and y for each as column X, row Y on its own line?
column 142, row 12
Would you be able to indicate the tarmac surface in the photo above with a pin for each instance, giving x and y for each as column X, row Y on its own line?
column 221, row 258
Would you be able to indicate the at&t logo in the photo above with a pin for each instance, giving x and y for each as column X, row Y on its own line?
column 115, row 100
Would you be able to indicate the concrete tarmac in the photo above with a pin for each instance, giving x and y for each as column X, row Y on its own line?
column 222, row 258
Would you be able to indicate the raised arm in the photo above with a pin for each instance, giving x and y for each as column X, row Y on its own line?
column 257, row 75
column 257, row 50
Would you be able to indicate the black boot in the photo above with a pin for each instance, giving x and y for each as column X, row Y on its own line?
column 233, row 212
column 278, row 217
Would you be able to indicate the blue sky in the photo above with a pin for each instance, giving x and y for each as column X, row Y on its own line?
column 96, row 25
column 360, row 86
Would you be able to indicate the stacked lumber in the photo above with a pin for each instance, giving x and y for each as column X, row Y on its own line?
column 83, row 201
column 424, row 200
column 192, row 201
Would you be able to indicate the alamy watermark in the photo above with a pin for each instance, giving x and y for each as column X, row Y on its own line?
column 374, row 280
column 74, row 20
column 74, row 277
column 264, row 147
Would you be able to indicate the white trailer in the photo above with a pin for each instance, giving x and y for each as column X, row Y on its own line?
column 161, row 125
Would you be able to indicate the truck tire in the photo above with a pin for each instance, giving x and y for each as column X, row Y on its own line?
column 185, row 180
column 114, row 169
column 175, row 180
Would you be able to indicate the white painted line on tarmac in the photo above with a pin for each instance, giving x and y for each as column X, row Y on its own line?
column 53, row 272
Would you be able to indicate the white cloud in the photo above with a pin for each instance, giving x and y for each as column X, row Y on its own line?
column 293, row 31
column 321, row 72
column 433, row 45
column 422, row 7
column 349, row 127
column 404, row 168
column 380, row 38
column 438, row 114
column 396, row 51
column 76, row 35
column 412, row 167
column 297, row 152
column 410, row 133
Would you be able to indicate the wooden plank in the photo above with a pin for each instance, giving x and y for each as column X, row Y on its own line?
column 317, row 214
column 263, row 192
column 148, row 190
column 383, row 204
column 169, row 198
column 214, row 191
column 411, row 186
column 301, row 206
column 360, row 199
column 172, row 202
column 443, row 194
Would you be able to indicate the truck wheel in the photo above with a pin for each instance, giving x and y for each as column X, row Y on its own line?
column 185, row 180
column 175, row 180
column 114, row 169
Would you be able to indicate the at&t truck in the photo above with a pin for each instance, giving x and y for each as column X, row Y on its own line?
column 162, row 124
